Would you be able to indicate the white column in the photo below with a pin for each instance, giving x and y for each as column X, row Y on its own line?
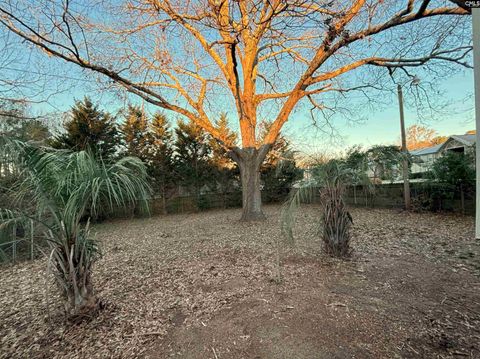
column 476, row 71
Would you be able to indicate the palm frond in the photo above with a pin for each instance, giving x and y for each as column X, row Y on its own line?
column 303, row 192
column 65, row 187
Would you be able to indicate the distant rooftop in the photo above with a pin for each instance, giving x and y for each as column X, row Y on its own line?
column 426, row 151
column 467, row 140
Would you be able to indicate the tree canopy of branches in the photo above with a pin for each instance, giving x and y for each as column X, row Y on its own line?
column 384, row 161
column 89, row 128
column 15, row 123
column 257, row 57
column 422, row 137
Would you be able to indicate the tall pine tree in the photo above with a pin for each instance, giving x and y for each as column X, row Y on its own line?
column 136, row 133
column 15, row 122
column 192, row 157
column 228, row 138
column 89, row 128
column 226, row 170
column 160, row 158
column 279, row 170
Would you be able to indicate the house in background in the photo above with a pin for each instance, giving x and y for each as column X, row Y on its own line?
column 423, row 158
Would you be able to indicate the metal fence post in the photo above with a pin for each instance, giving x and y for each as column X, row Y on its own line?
column 14, row 244
column 31, row 240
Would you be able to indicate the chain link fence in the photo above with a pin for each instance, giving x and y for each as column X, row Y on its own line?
column 18, row 244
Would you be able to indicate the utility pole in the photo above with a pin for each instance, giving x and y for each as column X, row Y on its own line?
column 406, row 183
column 476, row 75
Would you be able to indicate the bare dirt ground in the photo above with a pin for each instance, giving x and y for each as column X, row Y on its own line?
column 201, row 286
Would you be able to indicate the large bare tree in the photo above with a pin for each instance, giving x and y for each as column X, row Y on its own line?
column 263, row 59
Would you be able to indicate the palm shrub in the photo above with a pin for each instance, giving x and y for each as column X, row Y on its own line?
column 64, row 187
column 335, row 221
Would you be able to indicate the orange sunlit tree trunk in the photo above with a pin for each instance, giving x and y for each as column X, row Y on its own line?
column 261, row 59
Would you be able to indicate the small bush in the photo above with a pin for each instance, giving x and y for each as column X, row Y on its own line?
column 336, row 220
column 434, row 197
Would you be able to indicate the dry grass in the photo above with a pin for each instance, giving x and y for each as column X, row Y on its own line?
column 411, row 289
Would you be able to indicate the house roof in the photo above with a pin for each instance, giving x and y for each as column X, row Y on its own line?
column 467, row 140
column 426, row 151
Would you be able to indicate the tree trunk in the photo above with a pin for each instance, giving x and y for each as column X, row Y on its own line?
column 249, row 161
column 72, row 263
column 251, row 192
column 81, row 301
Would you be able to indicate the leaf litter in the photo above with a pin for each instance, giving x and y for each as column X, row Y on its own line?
column 203, row 283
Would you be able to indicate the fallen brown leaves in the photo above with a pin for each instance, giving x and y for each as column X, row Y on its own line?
column 180, row 271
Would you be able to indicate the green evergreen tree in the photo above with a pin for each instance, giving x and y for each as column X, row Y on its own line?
column 385, row 162
column 228, row 139
column 89, row 128
column 16, row 123
column 33, row 130
column 279, row 170
column 135, row 133
column 356, row 161
column 226, row 170
column 454, row 171
column 161, row 165
column 193, row 158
